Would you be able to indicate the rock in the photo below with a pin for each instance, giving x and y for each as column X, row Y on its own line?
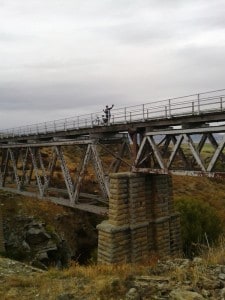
column 221, row 276
column 184, row 295
column 12, row 239
column 36, row 236
column 222, row 294
column 209, row 284
column 37, row 264
column 42, row 256
column 45, row 247
column 133, row 294
column 206, row 294
column 156, row 279
column 30, row 241
column 21, row 218
column 182, row 262
column 219, row 269
column 197, row 260
column 65, row 297
column 25, row 246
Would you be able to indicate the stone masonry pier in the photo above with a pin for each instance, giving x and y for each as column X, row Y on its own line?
column 141, row 219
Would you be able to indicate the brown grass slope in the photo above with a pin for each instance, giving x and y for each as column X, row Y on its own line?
column 209, row 190
column 99, row 281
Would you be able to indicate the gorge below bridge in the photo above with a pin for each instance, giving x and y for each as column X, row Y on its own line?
column 121, row 169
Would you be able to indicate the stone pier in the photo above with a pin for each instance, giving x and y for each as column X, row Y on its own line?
column 141, row 219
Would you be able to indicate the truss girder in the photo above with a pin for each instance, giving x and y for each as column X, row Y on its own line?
column 119, row 158
column 141, row 153
column 177, row 143
column 5, row 167
column 33, row 153
column 215, row 144
column 65, row 171
column 102, row 179
column 14, row 165
column 156, row 152
column 193, row 152
column 42, row 168
column 181, row 152
column 51, row 167
column 47, row 170
column 24, row 158
column 83, row 166
column 216, row 155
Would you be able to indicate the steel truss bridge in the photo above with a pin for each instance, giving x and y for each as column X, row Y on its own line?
column 68, row 161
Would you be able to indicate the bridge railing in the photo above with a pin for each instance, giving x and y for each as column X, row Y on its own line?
column 187, row 105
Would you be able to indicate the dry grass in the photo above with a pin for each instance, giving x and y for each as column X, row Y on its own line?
column 90, row 282
column 196, row 272
column 216, row 254
column 99, row 281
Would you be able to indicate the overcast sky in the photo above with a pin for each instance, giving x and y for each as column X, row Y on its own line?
column 62, row 58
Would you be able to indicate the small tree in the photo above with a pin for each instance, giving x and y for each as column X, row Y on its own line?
column 200, row 224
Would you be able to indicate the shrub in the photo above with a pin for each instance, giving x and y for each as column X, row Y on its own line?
column 200, row 225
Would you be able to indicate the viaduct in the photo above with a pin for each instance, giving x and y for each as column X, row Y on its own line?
column 121, row 168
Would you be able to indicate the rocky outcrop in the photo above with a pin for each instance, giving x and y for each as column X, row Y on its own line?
column 180, row 279
column 33, row 241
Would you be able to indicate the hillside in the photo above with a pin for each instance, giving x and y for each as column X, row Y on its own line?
column 209, row 190
column 154, row 279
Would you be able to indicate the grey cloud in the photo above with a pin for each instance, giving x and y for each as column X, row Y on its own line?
column 202, row 57
column 210, row 16
column 63, row 64
column 162, row 21
column 55, row 96
column 134, row 33
column 76, row 56
column 9, row 36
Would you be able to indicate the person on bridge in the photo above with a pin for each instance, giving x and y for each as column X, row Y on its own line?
column 107, row 112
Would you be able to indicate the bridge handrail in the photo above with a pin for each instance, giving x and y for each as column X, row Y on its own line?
column 167, row 108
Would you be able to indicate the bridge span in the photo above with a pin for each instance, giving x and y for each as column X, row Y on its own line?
column 182, row 135
column 120, row 169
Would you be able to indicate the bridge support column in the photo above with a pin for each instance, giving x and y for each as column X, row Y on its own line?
column 164, row 222
column 141, row 219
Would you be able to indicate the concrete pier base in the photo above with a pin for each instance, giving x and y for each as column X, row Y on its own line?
column 141, row 219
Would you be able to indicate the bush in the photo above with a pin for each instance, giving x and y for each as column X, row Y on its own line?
column 200, row 225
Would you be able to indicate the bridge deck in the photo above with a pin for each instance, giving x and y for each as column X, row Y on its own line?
column 189, row 110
